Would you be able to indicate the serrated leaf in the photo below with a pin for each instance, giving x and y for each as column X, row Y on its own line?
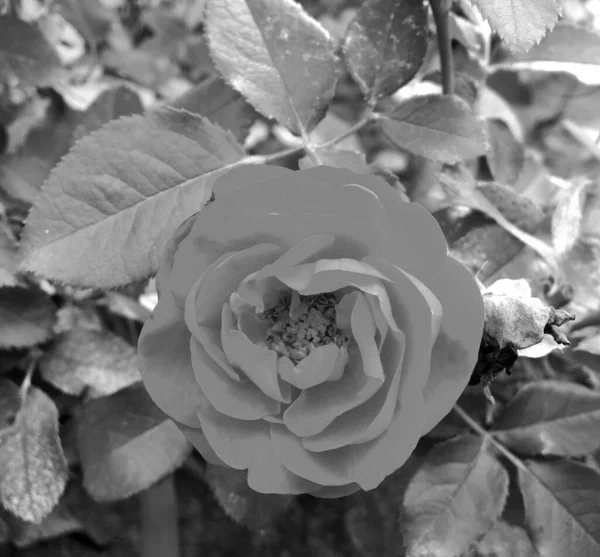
column 520, row 23
column 504, row 540
column 113, row 202
column 566, row 44
column 385, row 45
column 562, row 508
column 454, row 498
column 242, row 504
column 25, row 53
column 221, row 104
column 441, row 128
column 33, row 468
column 567, row 217
column 110, row 105
column 277, row 56
column 8, row 256
column 26, row 316
column 126, row 443
column 97, row 360
column 551, row 418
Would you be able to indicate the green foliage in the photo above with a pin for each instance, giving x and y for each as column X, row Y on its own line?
column 108, row 147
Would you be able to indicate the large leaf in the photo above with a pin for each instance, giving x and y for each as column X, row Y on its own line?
column 221, row 104
column 8, row 256
column 26, row 317
column 109, row 208
column 97, row 360
column 438, row 127
column 551, row 418
column 562, row 508
column 455, row 498
column 277, row 56
column 520, row 23
column 33, row 469
column 567, row 44
column 24, row 52
column 385, row 45
column 126, row 443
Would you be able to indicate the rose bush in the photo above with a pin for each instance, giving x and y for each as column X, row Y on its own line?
column 310, row 328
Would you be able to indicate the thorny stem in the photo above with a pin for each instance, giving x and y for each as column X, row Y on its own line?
column 441, row 9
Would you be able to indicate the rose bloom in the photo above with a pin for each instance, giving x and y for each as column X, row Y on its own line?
column 310, row 328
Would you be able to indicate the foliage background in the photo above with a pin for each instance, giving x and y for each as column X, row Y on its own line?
column 89, row 466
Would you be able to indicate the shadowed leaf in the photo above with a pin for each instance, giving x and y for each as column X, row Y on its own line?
column 551, row 417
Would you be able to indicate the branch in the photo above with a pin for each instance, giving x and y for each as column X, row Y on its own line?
column 441, row 9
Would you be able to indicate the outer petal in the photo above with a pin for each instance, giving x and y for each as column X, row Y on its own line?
column 164, row 362
column 457, row 346
column 235, row 442
column 166, row 261
column 413, row 240
column 241, row 400
column 336, row 492
column 198, row 440
column 367, row 464
column 417, row 314
column 276, row 210
column 268, row 475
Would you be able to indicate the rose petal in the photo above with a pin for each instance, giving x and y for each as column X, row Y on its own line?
column 363, row 331
column 367, row 464
column 317, row 407
column 413, row 237
column 253, row 326
column 268, row 475
column 206, row 298
column 317, row 367
column 235, row 442
column 456, row 348
column 302, row 277
column 332, row 275
column 258, row 210
column 210, row 339
column 164, row 353
column 372, row 418
column 308, row 248
column 243, row 400
column 324, row 468
column 162, row 279
column 415, row 316
column 258, row 363
column 334, row 492
column 380, row 321
column 198, row 440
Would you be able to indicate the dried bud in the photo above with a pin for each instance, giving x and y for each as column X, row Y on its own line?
column 514, row 321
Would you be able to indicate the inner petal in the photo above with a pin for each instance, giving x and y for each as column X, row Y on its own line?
column 258, row 363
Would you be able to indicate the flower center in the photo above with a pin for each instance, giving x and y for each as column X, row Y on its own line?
column 301, row 323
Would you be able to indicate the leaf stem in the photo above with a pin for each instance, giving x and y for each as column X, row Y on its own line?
column 441, row 9
column 160, row 519
column 367, row 117
column 490, row 438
